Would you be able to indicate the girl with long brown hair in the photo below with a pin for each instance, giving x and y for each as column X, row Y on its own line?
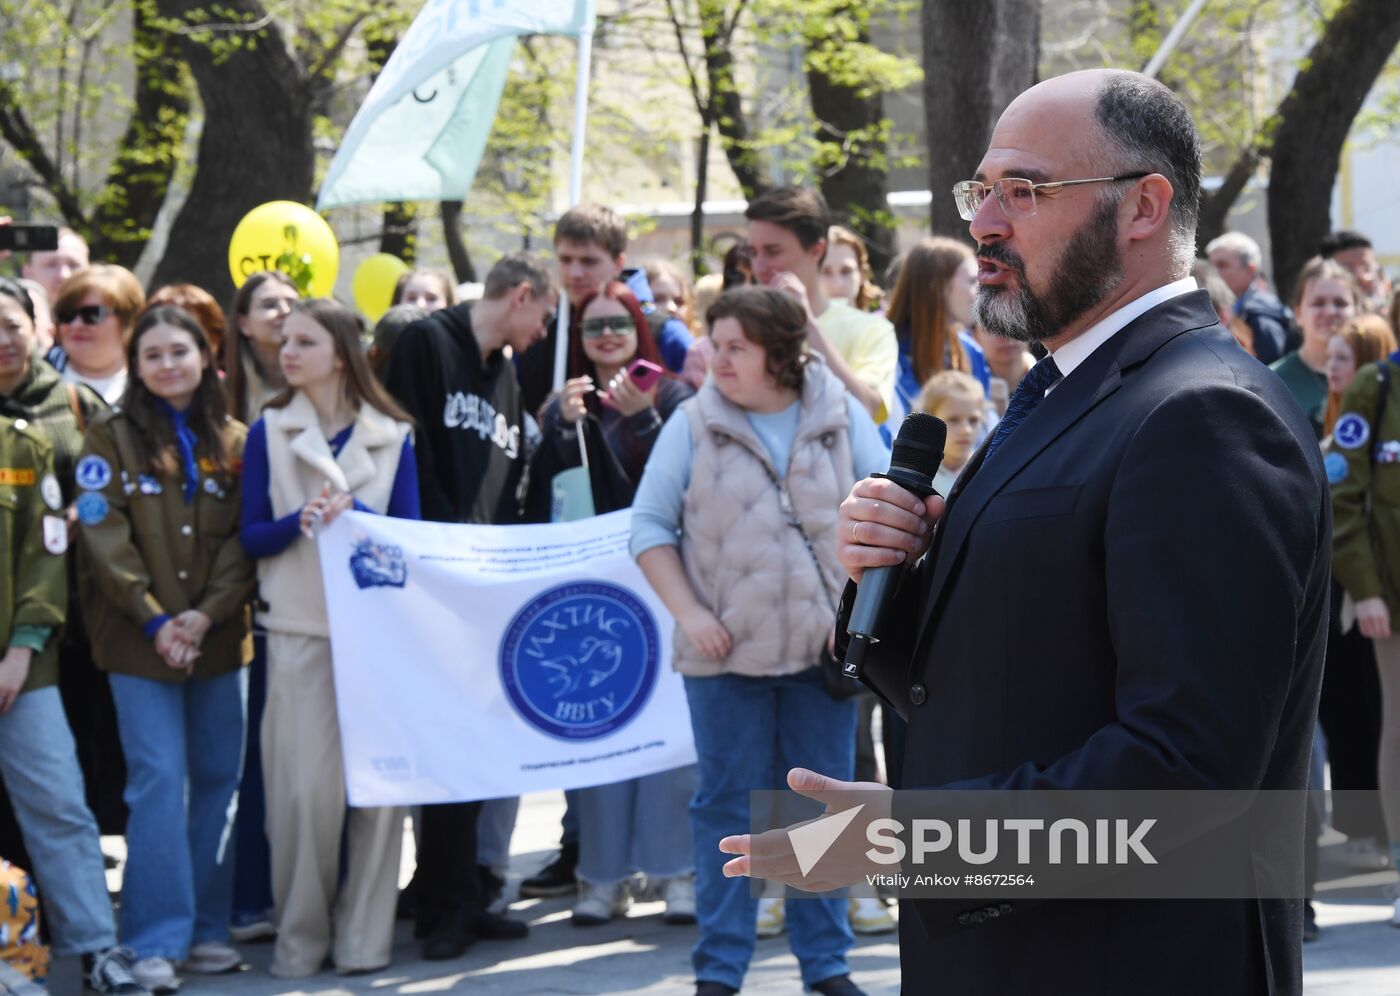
column 930, row 307
column 165, row 596
column 252, row 339
column 332, row 440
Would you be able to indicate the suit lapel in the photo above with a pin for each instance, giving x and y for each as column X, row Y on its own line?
column 1090, row 383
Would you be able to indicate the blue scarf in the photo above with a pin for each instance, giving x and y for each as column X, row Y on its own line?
column 186, row 440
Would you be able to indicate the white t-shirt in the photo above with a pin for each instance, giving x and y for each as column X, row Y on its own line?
column 110, row 388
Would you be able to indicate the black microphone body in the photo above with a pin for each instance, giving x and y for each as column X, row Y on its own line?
column 917, row 454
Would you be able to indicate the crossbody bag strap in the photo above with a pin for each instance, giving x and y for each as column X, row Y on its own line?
column 1383, row 376
column 790, row 511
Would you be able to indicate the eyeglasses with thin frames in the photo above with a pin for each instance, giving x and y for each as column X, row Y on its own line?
column 1016, row 195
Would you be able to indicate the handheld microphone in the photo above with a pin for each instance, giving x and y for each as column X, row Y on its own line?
column 918, row 451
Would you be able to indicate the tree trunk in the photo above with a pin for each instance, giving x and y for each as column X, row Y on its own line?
column 149, row 150
column 965, row 91
column 399, row 236
column 726, row 107
column 255, row 145
column 697, row 215
column 1313, row 123
column 856, row 189
column 457, row 254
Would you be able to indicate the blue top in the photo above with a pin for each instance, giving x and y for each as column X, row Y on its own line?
column 907, row 385
column 263, row 536
column 673, row 339
column 656, row 510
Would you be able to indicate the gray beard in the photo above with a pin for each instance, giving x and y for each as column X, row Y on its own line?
column 1090, row 267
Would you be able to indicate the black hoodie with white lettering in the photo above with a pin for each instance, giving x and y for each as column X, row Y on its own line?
column 470, row 437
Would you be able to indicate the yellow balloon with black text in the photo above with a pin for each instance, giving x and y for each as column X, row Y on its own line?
column 374, row 282
column 286, row 236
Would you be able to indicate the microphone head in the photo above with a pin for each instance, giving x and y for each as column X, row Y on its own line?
column 919, row 445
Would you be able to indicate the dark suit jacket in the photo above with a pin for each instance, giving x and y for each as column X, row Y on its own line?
column 1131, row 594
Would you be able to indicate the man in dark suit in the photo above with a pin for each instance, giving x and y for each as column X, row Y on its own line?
column 1155, row 506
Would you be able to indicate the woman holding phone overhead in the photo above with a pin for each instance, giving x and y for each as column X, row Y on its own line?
column 333, row 440
column 618, row 396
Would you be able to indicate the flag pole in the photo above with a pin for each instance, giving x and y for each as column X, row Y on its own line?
column 585, row 60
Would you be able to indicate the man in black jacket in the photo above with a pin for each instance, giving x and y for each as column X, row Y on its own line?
column 450, row 372
column 1155, row 507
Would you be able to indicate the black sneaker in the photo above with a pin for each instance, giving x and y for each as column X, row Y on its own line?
column 1310, row 930
column 708, row 987
column 556, row 878
column 491, row 927
column 837, row 985
column 493, row 889
column 109, row 973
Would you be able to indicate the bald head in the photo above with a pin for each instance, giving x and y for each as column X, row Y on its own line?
column 1122, row 122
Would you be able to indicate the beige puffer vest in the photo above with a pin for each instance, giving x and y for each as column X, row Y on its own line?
column 299, row 463
column 745, row 562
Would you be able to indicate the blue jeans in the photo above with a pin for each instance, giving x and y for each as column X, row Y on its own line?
column 748, row 733
column 494, row 828
column 252, row 860
column 184, row 748
column 39, row 763
column 639, row 825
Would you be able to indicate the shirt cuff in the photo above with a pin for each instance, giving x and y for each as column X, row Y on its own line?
column 152, row 626
column 31, row 637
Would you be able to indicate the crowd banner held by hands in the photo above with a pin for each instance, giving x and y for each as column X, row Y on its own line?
column 421, row 131
column 286, row 236
column 478, row 662
column 373, row 284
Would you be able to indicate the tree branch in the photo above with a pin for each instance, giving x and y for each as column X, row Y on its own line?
column 16, row 130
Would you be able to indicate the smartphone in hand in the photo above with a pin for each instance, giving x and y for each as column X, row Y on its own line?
column 644, row 374
column 28, row 238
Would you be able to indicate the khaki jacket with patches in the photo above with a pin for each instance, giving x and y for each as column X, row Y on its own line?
column 1365, row 459
column 147, row 553
column 33, row 534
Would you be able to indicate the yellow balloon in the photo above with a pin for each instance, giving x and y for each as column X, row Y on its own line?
column 373, row 284
column 286, row 236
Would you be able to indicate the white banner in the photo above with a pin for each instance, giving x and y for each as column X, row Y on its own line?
column 475, row 662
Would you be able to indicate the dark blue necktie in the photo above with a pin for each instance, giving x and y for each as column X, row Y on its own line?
column 1029, row 393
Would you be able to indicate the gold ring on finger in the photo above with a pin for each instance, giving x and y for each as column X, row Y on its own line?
column 853, row 532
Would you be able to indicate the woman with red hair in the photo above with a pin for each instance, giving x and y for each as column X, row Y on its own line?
column 641, row 825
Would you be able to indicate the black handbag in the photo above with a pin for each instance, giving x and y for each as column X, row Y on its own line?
column 834, row 681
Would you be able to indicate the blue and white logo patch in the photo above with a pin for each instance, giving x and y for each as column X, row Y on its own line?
column 375, row 565
column 1352, row 431
column 580, row 660
column 93, row 473
column 1336, row 466
column 92, row 508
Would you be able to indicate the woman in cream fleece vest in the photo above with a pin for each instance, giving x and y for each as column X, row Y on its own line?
column 334, row 440
column 734, row 526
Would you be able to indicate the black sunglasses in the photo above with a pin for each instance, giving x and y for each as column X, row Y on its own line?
column 595, row 328
column 88, row 314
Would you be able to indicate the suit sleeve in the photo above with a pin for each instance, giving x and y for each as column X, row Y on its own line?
column 1353, row 556
column 116, row 563
column 231, row 577
column 413, row 379
column 1215, row 537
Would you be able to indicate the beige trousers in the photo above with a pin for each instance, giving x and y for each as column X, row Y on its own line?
column 305, row 785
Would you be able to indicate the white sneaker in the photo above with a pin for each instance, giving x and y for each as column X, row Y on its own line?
column 869, row 916
column 771, row 919
column 1395, row 920
column 212, row 958
column 157, row 975
column 600, row 903
column 679, row 893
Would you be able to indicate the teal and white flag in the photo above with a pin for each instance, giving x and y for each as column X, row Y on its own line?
column 476, row 662
column 421, row 131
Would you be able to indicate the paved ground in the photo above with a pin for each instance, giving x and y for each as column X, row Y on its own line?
column 1359, row 952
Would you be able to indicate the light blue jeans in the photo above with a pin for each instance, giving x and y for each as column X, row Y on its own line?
column 748, row 733
column 640, row 825
column 494, row 828
column 184, row 751
column 39, row 763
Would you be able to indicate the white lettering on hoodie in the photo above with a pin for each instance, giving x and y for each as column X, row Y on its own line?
column 475, row 414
